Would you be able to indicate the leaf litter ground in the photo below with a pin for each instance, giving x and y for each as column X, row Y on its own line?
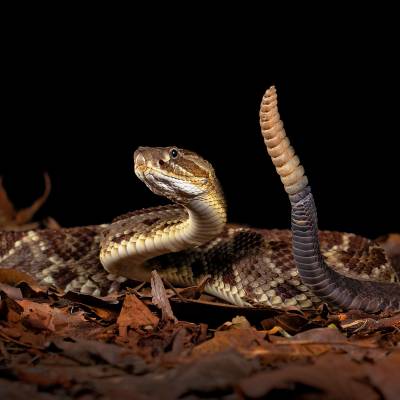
column 138, row 346
column 157, row 342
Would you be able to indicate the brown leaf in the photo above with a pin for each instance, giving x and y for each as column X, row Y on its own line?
column 13, row 277
column 160, row 298
column 10, row 218
column 385, row 375
column 96, row 308
column 208, row 378
column 102, row 313
column 331, row 377
column 33, row 291
column 25, row 215
column 22, row 391
column 59, row 321
column 11, row 291
column 321, row 335
column 239, row 322
column 289, row 321
column 111, row 301
column 44, row 317
column 7, row 211
column 10, row 310
column 90, row 351
column 239, row 339
column 319, row 341
column 134, row 315
column 51, row 223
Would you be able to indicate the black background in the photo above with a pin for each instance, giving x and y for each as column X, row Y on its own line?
column 79, row 97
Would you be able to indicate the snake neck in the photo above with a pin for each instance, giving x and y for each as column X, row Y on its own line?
column 206, row 220
column 154, row 232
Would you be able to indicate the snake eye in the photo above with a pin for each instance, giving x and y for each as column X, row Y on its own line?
column 173, row 153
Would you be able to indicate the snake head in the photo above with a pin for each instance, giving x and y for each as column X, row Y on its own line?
column 180, row 175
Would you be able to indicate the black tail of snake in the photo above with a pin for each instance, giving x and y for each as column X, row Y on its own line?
column 189, row 241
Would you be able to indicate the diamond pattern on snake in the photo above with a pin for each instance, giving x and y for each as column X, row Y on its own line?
column 190, row 239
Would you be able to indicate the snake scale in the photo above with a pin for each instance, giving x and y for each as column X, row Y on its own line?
column 190, row 240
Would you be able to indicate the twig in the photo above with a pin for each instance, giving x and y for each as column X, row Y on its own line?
column 171, row 286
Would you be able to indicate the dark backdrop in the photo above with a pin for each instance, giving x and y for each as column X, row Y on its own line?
column 78, row 105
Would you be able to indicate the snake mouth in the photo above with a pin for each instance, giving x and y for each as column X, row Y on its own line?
column 155, row 175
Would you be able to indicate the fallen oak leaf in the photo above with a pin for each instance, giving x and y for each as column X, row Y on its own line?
column 134, row 315
column 58, row 321
column 41, row 316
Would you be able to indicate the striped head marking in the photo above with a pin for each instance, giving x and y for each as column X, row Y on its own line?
column 180, row 175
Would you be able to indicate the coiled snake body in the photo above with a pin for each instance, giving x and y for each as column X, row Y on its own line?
column 190, row 240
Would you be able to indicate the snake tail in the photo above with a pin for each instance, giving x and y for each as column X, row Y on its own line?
column 336, row 289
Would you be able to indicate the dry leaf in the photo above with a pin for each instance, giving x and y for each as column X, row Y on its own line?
column 25, row 215
column 134, row 315
column 160, row 298
column 238, row 339
column 13, row 277
column 10, row 218
column 331, row 377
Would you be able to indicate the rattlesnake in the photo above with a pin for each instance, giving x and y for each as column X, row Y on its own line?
column 189, row 241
